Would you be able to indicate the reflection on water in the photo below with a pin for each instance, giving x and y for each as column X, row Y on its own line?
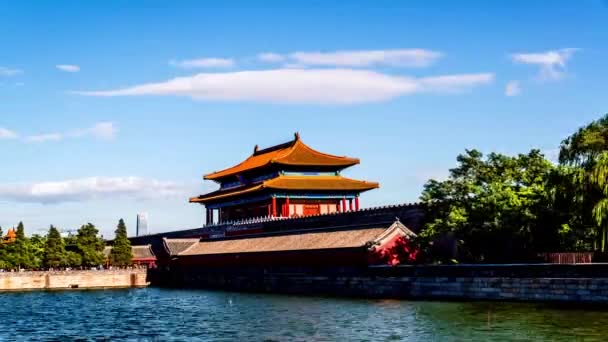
column 178, row 315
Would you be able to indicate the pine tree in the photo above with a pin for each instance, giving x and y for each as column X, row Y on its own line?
column 54, row 251
column 37, row 246
column 20, row 231
column 73, row 259
column 89, row 245
column 20, row 253
column 3, row 260
column 121, row 254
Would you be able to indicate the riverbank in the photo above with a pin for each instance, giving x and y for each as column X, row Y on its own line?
column 66, row 280
column 584, row 283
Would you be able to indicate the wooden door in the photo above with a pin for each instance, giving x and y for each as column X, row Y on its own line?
column 312, row 209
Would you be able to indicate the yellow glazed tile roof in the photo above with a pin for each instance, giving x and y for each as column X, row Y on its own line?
column 292, row 153
column 310, row 183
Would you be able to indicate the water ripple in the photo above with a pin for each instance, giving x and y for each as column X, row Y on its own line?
column 188, row 315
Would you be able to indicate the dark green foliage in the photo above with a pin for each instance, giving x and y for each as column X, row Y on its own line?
column 503, row 208
column 498, row 208
column 20, row 253
column 584, row 156
column 73, row 259
column 20, row 231
column 584, row 146
column 37, row 244
column 121, row 254
column 54, row 252
column 85, row 249
column 90, row 246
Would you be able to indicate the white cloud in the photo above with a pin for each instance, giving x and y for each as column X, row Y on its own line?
column 271, row 57
column 101, row 131
column 104, row 130
column 4, row 71
column 333, row 86
column 84, row 189
column 552, row 63
column 366, row 58
column 203, row 63
column 512, row 88
column 454, row 83
column 44, row 137
column 68, row 67
column 7, row 134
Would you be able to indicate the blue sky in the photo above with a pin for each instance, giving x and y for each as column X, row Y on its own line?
column 109, row 108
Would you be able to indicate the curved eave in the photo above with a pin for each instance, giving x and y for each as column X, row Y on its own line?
column 294, row 154
column 294, row 183
column 223, row 194
column 319, row 183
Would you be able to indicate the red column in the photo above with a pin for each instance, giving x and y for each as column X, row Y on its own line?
column 350, row 204
column 357, row 203
column 274, row 206
column 269, row 209
column 338, row 207
column 343, row 204
column 287, row 206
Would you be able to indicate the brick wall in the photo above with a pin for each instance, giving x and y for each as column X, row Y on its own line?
column 477, row 283
column 17, row 281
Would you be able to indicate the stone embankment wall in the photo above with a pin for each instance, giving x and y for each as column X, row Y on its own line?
column 59, row 280
column 564, row 283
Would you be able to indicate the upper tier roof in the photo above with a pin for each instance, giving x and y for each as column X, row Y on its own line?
column 294, row 153
column 311, row 183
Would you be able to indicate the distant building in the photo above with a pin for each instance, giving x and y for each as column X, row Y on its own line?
column 142, row 224
column 10, row 236
column 142, row 255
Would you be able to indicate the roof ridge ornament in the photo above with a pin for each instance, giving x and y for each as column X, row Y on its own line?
column 297, row 136
column 256, row 148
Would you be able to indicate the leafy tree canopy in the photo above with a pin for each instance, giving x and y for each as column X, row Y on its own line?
column 498, row 207
column 89, row 245
column 54, row 252
column 584, row 146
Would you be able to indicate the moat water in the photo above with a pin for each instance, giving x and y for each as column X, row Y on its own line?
column 193, row 315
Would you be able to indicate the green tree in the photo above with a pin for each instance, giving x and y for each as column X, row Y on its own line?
column 73, row 259
column 121, row 253
column 89, row 245
column 20, row 253
column 584, row 155
column 55, row 254
column 20, row 231
column 498, row 208
column 3, row 262
column 37, row 246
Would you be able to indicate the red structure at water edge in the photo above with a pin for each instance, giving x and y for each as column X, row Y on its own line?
column 289, row 205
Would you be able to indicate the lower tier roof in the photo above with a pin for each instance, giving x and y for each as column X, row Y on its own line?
column 306, row 240
column 293, row 183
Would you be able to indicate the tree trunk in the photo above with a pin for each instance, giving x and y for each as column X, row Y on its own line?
column 603, row 237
